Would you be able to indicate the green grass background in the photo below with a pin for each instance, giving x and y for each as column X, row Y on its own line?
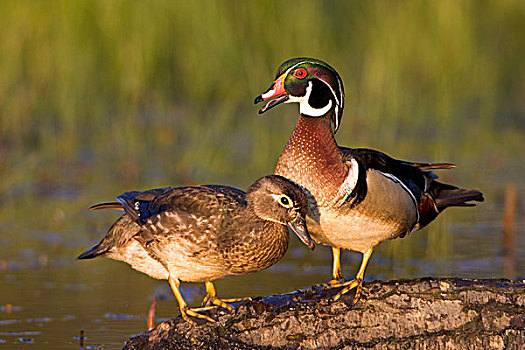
column 101, row 97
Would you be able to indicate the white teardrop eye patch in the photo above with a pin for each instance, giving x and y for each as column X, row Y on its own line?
column 283, row 200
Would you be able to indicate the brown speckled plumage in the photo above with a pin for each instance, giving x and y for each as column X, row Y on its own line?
column 201, row 233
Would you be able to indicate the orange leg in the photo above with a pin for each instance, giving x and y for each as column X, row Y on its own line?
column 358, row 281
column 337, row 274
column 184, row 310
column 211, row 297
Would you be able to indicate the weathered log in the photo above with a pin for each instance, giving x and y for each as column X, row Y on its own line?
column 413, row 314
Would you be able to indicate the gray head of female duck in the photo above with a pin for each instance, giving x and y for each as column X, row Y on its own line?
column 310, row 82
column 275, row 198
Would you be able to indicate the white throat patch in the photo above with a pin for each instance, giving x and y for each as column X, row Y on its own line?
column 305, row 108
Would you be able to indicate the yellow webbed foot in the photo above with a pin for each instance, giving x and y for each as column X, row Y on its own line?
column 358, row 281
column 211, row 298
column 186, row 313
column 333, row 283
column 348, row 286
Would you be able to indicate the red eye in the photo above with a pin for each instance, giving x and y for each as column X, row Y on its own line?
column 300, row 73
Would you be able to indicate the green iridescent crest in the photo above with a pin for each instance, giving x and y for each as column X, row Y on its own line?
column 316, row 69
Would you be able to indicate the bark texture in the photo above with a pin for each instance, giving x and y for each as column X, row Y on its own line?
column 414, row 314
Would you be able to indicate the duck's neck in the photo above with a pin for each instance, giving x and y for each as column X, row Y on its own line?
column 258, row 245
column 312, row 159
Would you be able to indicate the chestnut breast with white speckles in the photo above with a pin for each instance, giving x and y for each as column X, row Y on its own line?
column 312, row 159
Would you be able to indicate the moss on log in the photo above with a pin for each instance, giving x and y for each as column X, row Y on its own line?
column 404, row 314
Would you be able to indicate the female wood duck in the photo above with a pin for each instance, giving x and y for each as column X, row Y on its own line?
column 202, row 233
column 361, row 197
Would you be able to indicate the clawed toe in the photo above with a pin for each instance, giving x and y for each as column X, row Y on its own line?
column 234, row 300
column 357, row 283
column 348, row 286
column 186, row 313
column 217, row 302
column 203, row 308
column 211, row 298
column 333, row 283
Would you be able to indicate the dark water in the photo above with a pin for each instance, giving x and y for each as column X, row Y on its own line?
column 47, row 298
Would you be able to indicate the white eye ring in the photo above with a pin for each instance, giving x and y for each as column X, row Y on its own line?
column 285, row 201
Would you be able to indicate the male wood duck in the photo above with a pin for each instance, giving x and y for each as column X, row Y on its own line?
column 202, row 233
column 361, row 197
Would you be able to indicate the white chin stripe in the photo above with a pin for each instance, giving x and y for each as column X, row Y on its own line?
column 305, row 108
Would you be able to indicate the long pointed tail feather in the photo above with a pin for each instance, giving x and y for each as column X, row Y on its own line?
column 457, row 198
column 120, row 233
column 91, row 253
column 107, row 205
column 440, row 196
column 429, row 166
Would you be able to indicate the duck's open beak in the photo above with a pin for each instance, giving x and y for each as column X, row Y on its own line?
column 275, row 92
column 298, row 226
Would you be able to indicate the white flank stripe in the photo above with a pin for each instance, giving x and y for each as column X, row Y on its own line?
column 396, row 180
